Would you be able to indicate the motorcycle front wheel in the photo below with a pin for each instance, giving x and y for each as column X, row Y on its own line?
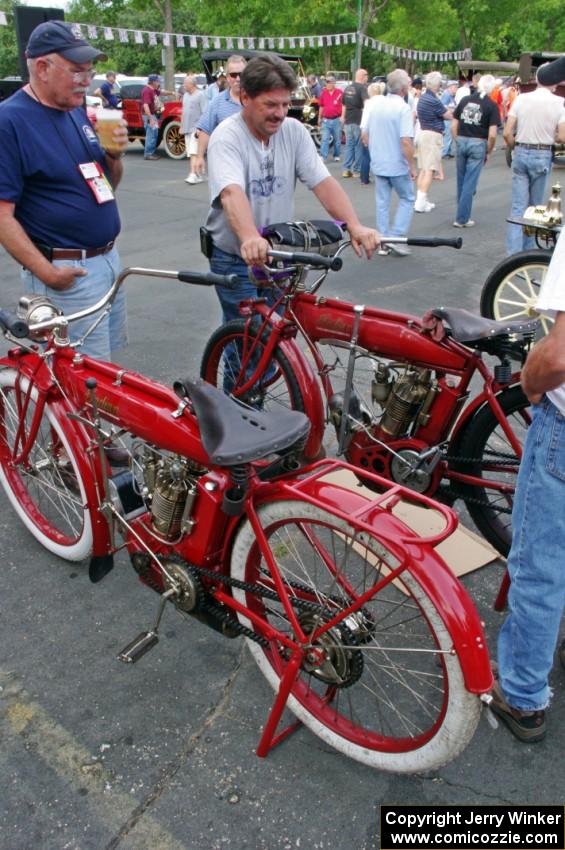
column 390, row 691
column 46, row 488
column 232, row 352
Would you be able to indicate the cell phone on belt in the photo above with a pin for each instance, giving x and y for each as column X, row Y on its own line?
column 206, row 243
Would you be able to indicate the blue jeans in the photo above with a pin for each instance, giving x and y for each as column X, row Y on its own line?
column 470, row 160
column 527, row 640
column 404, row 188
column 331, row 130
column 447, row 140
column 365, row 164
column 353, row 146
column 111, row 333
column 530, row 174
column 151, row 136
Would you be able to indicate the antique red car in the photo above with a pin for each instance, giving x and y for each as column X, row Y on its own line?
column 169, row 120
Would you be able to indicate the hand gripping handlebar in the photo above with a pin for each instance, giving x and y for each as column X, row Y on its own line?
column 316, row 261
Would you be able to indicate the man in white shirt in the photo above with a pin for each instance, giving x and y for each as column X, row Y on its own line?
column 535, row 121
column 528, row 638
column 387, row 127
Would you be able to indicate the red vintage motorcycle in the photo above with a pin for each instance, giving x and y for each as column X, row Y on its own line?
column 397, row 388
column 353, row 618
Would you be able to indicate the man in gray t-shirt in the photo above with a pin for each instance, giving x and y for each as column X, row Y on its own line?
column 254, row 160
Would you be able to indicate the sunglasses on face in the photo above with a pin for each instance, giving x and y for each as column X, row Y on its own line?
column 234, row 74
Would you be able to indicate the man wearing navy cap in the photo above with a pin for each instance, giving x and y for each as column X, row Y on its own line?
column 527, row 640
column 58, row 214
column 149, row 103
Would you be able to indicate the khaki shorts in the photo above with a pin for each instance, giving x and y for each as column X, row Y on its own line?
column 430, row 145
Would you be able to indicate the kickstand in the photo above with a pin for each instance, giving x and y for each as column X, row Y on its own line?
column 269, row 739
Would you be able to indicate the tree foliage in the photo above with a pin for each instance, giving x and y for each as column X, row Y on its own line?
column 501, row 30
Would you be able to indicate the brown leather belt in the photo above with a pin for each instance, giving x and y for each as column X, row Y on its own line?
column 534, row 147
column 72, row 253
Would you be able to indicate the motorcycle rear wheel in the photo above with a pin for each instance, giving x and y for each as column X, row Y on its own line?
column 511, row 290
column 46, row 490
column 401, row 704
column 486, row 453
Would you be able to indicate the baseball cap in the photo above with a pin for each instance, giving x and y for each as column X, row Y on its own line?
column 452, row 83
column 153, row 78
column 63, row 38
column 552, row 73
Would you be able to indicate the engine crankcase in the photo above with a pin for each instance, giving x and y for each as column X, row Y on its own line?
column 391, row 462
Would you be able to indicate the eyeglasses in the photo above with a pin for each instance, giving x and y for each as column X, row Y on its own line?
column 76, row 75
column 234, row 74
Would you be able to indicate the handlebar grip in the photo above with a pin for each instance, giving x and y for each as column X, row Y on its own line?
column 434, row 242
column 315, row 260
column 17, row 327
column 230, row 281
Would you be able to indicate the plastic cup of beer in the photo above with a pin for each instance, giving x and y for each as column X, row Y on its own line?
column 107, row 120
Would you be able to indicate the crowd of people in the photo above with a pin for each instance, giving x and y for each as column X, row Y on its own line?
column 59, row 220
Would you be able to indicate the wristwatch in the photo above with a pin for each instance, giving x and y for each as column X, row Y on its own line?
column 116, row 156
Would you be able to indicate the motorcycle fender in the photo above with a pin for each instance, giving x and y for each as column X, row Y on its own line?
column 89, row 466
column 311, row 393
column 472, row 408
column 448, row 595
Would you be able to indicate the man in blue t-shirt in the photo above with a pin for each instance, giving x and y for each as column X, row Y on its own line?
column 58, row 215
column 107, row 93
column 431, row 115
column 224, row 105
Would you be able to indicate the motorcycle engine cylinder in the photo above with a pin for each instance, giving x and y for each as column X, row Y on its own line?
column 404, row 402
column 169, row 498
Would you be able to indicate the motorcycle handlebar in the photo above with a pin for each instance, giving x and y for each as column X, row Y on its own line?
column 426, row 241
column 17, row 327
column 229, row 281
column 316, row 261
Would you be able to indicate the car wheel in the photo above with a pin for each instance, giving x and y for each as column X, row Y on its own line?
column 174, row 140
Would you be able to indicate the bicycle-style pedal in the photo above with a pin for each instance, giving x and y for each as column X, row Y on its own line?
column 138, row 647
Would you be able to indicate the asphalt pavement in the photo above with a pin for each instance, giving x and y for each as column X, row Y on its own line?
column 97, row 755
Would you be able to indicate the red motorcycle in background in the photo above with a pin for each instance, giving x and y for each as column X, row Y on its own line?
column 396, row 388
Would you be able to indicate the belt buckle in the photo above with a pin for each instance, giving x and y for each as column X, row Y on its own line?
column 83, row 253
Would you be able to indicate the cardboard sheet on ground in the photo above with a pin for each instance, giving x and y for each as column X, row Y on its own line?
column 463, row 551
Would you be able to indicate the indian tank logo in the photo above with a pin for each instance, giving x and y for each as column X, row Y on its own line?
column 89, row 133
column 76, row 31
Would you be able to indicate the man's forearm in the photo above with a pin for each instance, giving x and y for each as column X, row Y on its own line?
column 115, row 168
column 203, row 139
column 18, row 244
column 545, row 366
column 336, row 202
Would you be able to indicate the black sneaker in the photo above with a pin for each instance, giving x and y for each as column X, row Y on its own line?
column 527, row 726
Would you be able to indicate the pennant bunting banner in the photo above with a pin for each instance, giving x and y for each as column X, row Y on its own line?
column 282, row 42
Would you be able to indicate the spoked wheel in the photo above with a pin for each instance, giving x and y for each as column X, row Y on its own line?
column 174, row 140
column 46, row 489
column 486, row 453
column 232, row 352
column 512, row 288
column 382, row 687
